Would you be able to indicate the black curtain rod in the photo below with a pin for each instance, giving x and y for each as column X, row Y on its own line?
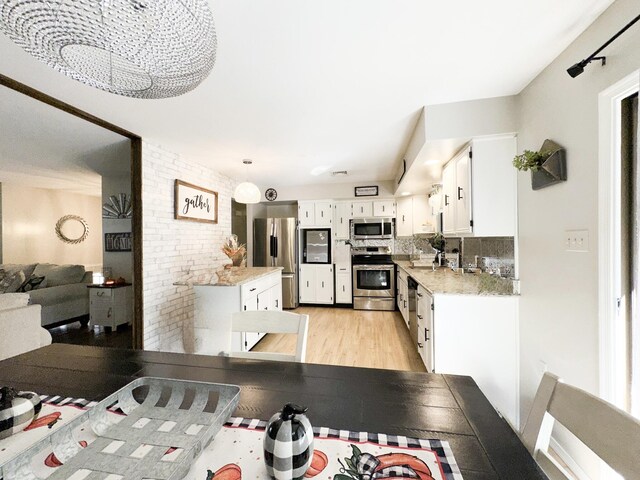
column 578, row 68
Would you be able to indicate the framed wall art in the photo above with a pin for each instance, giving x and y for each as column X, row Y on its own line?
column 117, row 242
column 195, row 203
column 369, row 191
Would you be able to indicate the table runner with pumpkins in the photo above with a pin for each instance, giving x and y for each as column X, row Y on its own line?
column 237, row 450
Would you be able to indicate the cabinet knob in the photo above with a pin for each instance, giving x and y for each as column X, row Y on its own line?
column 459, row 193
column 252, row 289
column 419, row 316
column 419, row 345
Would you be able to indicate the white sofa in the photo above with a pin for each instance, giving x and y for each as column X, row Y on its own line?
column 20, row 326
column 63, row 293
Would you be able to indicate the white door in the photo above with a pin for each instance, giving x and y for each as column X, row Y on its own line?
column 404, row 217
column 307, row 283
column 448, row 201
column 362, row 209
column 275, row 297
column 384, row 208
column 249, row 339
column 324, row 214
column 425, row 327
column 463, row 192
column 423, row 220
column 343, row 287
column 324, row 284
column 341, row 217
column 306, row 214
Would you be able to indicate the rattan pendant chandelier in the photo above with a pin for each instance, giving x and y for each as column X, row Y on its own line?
column 136, row 48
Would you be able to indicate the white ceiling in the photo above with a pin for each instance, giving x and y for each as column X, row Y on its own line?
column 301, row 84
column 44, row 147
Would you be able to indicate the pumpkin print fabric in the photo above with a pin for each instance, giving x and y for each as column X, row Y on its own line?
column 237, row 451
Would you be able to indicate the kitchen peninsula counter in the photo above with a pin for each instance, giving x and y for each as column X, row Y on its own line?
column 231, row 277
column 445, row 280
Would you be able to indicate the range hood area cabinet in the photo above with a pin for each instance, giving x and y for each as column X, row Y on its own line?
column 479, row 189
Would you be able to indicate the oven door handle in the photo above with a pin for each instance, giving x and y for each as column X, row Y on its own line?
column 373, row 267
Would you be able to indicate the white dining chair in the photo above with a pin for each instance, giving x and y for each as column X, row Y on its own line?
column 272, row 321
column 612, row 434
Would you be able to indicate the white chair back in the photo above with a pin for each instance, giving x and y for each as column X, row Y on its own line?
column 609, row 432
column 273, row 321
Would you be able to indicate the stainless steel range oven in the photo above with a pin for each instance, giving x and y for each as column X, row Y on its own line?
column 374, row 283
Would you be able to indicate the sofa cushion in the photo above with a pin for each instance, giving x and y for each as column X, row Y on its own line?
column 59, row 294
column 12, row 282
column 13, row 300
column 31, row 283
column 59, row 275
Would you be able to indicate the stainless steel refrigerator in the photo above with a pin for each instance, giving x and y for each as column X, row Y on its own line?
column 275, row 244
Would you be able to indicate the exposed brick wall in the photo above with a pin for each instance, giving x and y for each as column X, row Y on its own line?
column 174, row 248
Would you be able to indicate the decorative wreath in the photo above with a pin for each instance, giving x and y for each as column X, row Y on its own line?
column 66, row 239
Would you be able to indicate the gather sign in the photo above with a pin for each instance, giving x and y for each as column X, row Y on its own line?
column 195, row 203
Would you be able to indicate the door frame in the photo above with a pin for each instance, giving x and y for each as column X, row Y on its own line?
column 612, row 336
column 136, row 189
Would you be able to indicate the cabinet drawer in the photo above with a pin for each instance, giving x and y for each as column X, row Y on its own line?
column 257, row 286
column 97, row 293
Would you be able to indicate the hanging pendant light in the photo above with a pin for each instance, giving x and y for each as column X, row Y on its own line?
column 246, row 192
column 135, row 48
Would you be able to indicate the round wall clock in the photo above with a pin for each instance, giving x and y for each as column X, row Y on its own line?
column 270, row 194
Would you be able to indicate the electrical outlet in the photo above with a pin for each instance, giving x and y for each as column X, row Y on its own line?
column 576, row 240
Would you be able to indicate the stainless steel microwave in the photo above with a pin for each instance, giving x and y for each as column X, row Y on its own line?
column 374, row 228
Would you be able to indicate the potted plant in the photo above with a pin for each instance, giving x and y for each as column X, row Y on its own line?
column 547, row 166
column 529, row 160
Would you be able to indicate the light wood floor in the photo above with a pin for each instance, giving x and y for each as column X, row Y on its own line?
column 354, row 338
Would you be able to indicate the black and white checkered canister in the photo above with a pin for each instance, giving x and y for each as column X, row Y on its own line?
column 17, row 410
column 288, row 444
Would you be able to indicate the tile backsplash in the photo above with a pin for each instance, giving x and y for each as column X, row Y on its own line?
column 497, row 252
column 493, row 252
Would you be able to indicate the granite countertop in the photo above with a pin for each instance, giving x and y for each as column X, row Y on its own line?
column 445, row 280
column 229, row 278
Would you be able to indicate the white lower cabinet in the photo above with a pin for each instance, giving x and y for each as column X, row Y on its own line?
column 214, row 305
column 343, row 287
column 478, row 336
column 424, row 314
column 316, row 284
column 403, row 295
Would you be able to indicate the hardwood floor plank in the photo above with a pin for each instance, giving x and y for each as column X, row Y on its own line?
column 353, row 338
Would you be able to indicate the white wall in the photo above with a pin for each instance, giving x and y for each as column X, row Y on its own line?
column 174, row 248
column 29, row 217
column 558, row 305
column 330, row 190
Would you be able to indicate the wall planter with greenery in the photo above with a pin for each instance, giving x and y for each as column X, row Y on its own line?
column 548, row 165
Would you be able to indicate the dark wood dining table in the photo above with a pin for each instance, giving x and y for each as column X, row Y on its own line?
column 420, row 405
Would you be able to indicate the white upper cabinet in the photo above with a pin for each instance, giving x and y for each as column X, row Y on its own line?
column 362, row 209
column 315, row 213
column 404, row 217
column 341, row 217
column 462, row 198
column 494, row 186
column 448, row 194
column 384, row 208
column 306, row 214
column 479, row 187
column 324, row 213
column 423, row 219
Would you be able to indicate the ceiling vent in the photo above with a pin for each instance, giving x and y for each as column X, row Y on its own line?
column 339, row 173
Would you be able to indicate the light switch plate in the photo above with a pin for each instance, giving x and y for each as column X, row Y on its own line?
column 576, row 240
